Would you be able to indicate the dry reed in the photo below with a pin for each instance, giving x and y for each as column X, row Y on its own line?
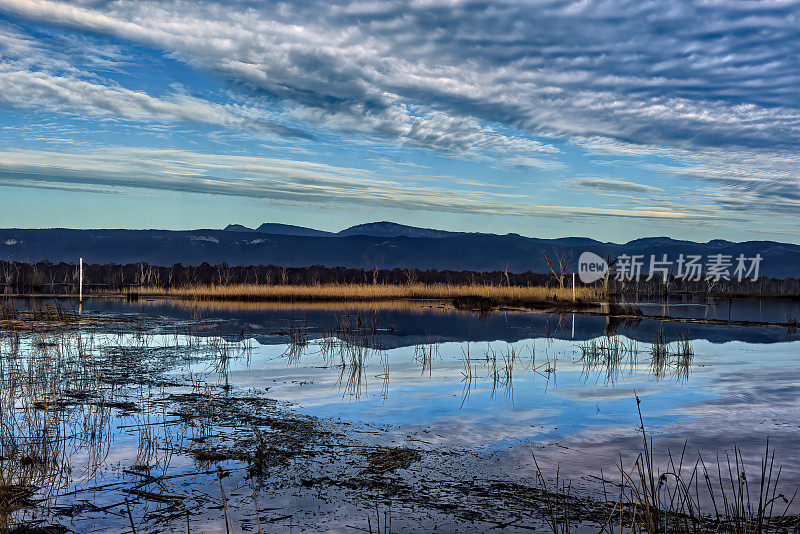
column 374, row 292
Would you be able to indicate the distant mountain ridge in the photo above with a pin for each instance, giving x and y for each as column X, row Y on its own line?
column 375, row 229
column 390, row 244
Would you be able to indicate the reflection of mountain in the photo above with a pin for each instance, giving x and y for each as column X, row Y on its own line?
column 396, row 246
column 402, row 326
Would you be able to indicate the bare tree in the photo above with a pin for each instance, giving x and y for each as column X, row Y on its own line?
column 607, row 276
column 140, row 281
column 710, row 282
column 558, row 265
column 224, row 274
column 375, row 266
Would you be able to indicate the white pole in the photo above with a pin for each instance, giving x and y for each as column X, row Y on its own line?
column 573, row 287
column 80, row 283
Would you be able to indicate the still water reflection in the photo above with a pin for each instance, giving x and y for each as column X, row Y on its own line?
column 509, row 382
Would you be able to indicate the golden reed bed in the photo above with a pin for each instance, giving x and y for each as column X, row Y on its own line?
column 370, row 292
column 335, row 306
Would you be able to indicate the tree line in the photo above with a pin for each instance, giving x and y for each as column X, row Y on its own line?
column 47, row 277
column 62, row 278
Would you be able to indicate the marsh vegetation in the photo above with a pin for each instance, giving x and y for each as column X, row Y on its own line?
column 479, row 297
column 143, row 422
column 62, row 279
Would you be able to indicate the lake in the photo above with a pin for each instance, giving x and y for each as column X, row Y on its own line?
column 476, row 396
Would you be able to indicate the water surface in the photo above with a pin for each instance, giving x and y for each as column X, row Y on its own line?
column 495, row 389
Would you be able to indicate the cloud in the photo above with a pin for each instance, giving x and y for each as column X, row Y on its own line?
column 34, row 75
column 463, row 136
column 669, row 72
column 324, row 103
column 695, row 82
column 39, row 90
column 278, row 180
column 66, row 53
column 762, row 182
column 608, row 184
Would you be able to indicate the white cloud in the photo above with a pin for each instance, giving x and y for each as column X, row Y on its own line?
column 611, row 185
column 711, row 84
column 39, row 76
column 28, row 89
column 657, row 76
column 279, row 180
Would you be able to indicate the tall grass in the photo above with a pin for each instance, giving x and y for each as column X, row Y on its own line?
column 62, row 389
column 676, row 496
column 606, row 354
column 366, row 292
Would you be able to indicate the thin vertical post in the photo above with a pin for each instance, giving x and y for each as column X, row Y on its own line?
column 573, row 287
column 80, row 282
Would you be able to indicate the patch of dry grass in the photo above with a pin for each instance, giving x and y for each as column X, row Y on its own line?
column 368, row 292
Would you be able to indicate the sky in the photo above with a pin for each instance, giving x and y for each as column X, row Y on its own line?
column 609, row 119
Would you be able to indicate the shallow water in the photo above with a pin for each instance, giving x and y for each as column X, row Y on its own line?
column 503, row 386
column 742, row 384
column 774, row 310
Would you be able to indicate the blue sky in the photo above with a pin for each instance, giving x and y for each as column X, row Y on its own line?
column 611, row 119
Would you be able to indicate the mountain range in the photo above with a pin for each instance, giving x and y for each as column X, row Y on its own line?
column 389, row 244
column 376, row 229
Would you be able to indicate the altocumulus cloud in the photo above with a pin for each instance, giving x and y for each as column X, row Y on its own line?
column 647, row 72
column 697, row 81
column 35, row 76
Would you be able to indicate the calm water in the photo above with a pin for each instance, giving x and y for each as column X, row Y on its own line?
column 736, row 309
column 741, row 385
column 502, row 387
